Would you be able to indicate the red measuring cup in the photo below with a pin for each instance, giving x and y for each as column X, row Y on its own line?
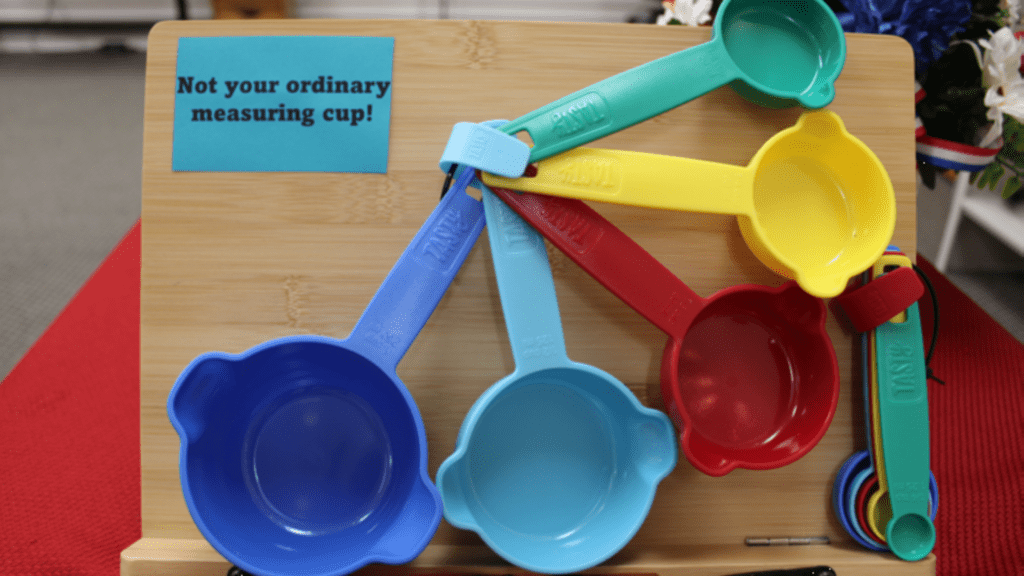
column 749, row 375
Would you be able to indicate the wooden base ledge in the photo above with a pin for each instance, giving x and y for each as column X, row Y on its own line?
column 167, row 557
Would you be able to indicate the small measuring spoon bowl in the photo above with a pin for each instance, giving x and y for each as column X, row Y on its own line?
column 776, row 53
column 749, row 374
column 814, row 204
column 306, row 455
column 555, row 465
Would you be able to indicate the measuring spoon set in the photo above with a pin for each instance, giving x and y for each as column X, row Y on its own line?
column 887, row 497
column 308, row 455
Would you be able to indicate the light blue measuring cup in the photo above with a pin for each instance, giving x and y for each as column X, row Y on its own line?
column 776, row 53
column 555, row 465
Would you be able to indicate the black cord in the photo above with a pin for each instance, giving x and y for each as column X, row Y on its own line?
column 448, row 180
column 935, row 325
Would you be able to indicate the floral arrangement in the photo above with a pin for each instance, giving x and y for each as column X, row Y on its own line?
column 685, row 12
column 968, row 61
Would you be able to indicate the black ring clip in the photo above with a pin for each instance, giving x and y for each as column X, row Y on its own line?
column 448, row 180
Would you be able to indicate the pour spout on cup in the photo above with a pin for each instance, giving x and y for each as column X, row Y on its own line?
column 415, row 525
column 450, row 480
column 657, row 452
column 818, row 98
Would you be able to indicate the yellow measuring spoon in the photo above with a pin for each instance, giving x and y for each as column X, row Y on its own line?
column 879, row 509
column 879, row 513
column 883, row 265
column 814, row 204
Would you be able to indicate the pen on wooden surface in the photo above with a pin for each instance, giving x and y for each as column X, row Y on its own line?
column 812, row 571
column 788, row 541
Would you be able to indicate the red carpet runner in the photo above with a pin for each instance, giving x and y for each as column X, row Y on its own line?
column 69, row 430
column 69, row 433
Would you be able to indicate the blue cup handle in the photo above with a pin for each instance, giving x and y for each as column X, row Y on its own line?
column 526, row 287
column 420, row 277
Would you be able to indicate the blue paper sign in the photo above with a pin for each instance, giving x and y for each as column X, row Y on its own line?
column 283, row 104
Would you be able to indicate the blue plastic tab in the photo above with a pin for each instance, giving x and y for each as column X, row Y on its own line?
column 486, row 148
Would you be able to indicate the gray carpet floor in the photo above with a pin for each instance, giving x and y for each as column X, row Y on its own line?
column 70, row 177
column 70, row 165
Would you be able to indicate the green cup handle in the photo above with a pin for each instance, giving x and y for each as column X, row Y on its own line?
column 625, row 99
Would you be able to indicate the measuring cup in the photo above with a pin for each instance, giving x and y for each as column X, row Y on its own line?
column 749, row 374
column 555, row 465
column 306, row 455
column 814, row 204
column 776, row 53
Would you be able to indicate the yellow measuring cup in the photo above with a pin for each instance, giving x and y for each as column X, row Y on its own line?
column 814, row 204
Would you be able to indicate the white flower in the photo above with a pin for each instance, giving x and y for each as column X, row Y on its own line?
column 689, row 12
column 1008, row 99
column 1000, row 67
column 1001, row 63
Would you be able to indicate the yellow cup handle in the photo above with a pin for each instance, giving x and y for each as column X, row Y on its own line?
column 640, row 179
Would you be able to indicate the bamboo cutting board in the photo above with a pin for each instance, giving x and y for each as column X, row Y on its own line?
column 230, row 260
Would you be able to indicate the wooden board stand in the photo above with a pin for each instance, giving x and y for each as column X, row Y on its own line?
column 233, row 259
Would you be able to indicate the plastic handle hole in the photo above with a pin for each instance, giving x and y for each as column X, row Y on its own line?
column 524, row 136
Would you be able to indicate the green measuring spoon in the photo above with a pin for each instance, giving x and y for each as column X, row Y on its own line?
column 776, row 53
column 903, row 416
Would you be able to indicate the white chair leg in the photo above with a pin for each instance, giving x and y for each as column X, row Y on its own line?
column 956, row 207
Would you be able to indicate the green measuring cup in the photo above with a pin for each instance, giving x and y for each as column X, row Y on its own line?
column 776, row 53
column 903, row 416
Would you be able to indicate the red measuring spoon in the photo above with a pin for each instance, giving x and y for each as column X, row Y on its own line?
column 749, row 375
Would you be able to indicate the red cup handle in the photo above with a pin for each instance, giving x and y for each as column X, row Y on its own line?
column 611, row 257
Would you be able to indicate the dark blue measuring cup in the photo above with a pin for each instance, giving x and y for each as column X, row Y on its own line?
column 306, row 455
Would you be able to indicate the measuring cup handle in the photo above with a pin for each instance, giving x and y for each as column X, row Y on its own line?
column 611, row 257
column 625, row 99
column 640, row 179
column 420, row 277
column 526, row 286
